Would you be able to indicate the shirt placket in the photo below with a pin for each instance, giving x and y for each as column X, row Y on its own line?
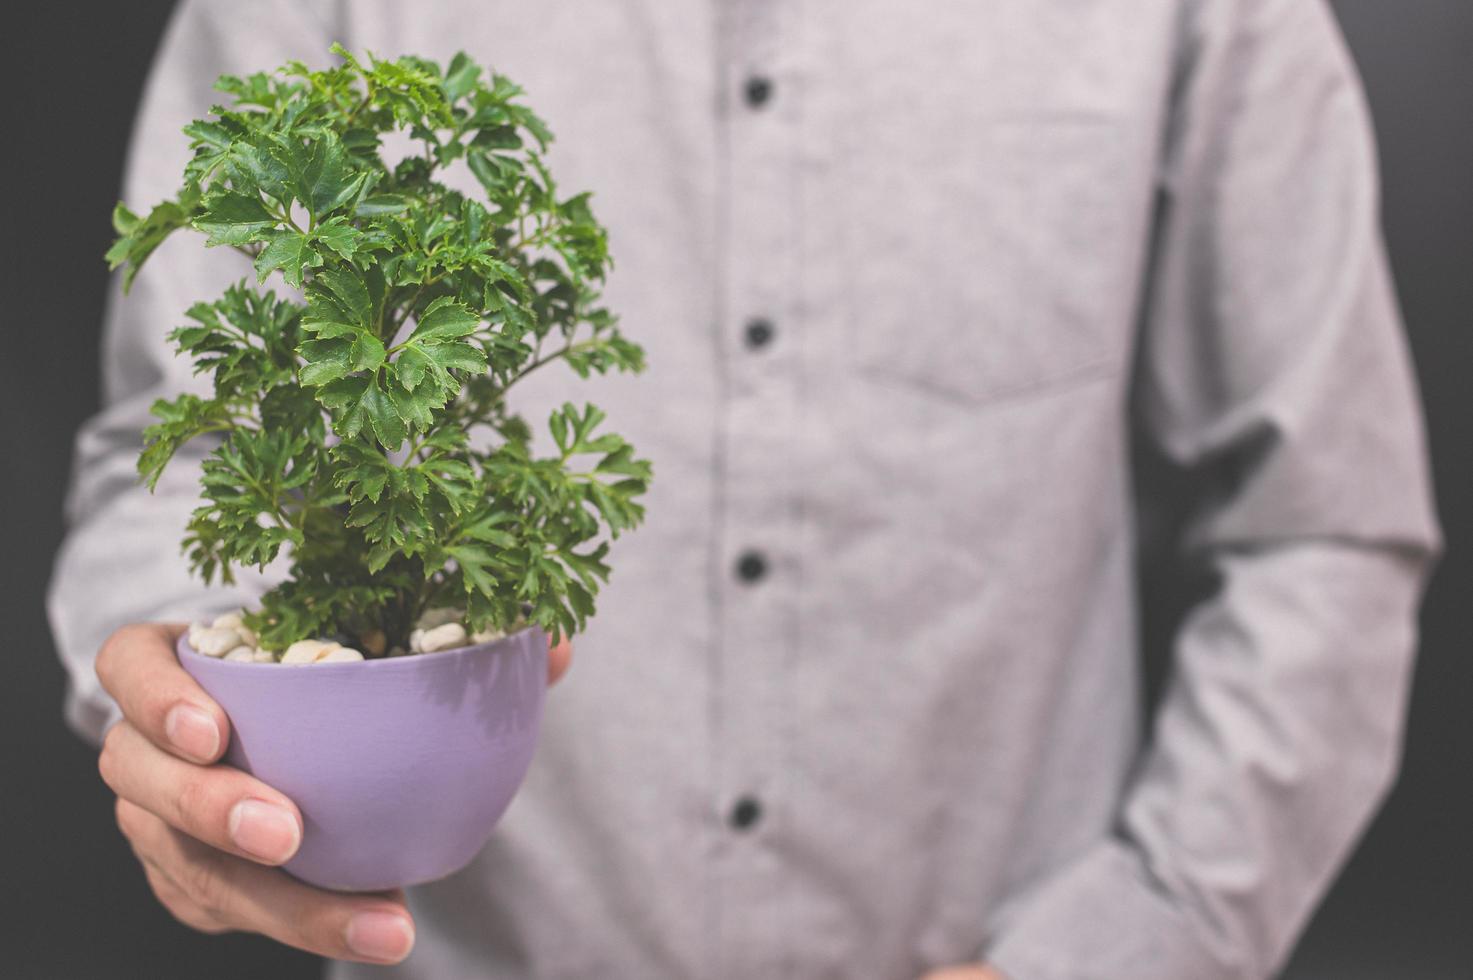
column 757, row 558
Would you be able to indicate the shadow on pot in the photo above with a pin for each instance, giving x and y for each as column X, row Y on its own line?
column 401, row 767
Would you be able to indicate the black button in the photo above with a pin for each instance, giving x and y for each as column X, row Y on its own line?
column 759, row 333
column 751, row 566
column 758, row 91
column 745, row 814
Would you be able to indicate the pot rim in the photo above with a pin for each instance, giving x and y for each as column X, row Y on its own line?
column 406, row 662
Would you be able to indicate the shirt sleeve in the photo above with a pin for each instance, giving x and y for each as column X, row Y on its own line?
column 1271, row 362
column 121, row 560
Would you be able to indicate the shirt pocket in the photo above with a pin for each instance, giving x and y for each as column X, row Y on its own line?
column 992, row 271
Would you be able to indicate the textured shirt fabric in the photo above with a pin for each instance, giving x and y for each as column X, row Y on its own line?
column 989, row 241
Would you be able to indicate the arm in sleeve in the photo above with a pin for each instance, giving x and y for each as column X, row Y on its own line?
column 121, row 560
column 1271, row 359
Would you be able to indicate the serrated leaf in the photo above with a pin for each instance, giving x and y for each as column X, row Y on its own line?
column 179, row 420
column 476, row 564
column 330, row 359
column 590, row 568
column 289, row 252
column 212, row 144
column 252, row 164
column 144, row 235
column 231, row 218
column 416, row 408
column 357, row 402
column 327, row 361
column 460, row 76
column 412, row 366
column 320, row 171
column 444, row 320
column 390, row 524
column 351, row 294
column 342, row 239
column 462, row 357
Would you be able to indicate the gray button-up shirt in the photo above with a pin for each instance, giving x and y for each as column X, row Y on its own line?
column 987, row 237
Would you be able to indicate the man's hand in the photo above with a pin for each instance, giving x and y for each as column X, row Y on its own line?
column 559, row 659
column 209, row 836
column 970, row 972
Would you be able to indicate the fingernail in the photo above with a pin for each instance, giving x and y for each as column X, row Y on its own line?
column 192, row 731
column 265, row 830
column 380, row 936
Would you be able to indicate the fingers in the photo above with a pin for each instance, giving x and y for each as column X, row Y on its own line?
column 213, row 891
column 179, row 905
column 218, row 805
column 559, row 659
column 137, row 666
column 204, row 833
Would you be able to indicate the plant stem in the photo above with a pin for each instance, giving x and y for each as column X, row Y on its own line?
column 555, row 355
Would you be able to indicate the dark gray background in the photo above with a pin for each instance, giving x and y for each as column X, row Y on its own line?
column 75, row 904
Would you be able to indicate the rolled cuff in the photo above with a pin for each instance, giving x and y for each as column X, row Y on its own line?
column 91, row 717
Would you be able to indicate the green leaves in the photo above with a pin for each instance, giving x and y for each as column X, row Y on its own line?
column 360, row 387
column 248, row 514
column 318, row 171
column 460, row 77
column 295, row 252
column 233, row 218
column 245, row 340
column 341, row 237
column 333, row 359
column 444, row 321
column 435, row 349
column 573, row 430
column 139, row 237
column 393, row 524
column 360, row 403
column 180, row 420
column 288, row 251
column 617, row 477
column 340, row 421
column 211, row 142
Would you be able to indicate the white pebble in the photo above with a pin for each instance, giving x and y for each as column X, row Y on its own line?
column 339, row 655
column 242, row 654
column 439, row 617
column 215, row 642
column 236, row 621
column 446, row 637
column 307, row 651
column 263, row 656
column 488, row 636
column 230, row 620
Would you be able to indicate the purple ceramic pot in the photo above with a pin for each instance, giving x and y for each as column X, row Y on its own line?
column 401, row 767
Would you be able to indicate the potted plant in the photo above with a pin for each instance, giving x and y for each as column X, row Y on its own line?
column 392, row 684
